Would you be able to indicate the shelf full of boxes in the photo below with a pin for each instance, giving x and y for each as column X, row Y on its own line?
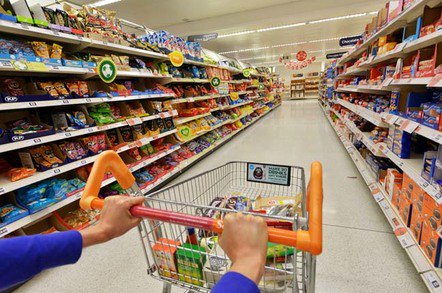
column 57, row 114
column 311, row 85
column 386, row 110
column 297, row 87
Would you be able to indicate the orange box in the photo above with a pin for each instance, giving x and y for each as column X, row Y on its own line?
column 405, row 211
column 392, row 177
column 408, row 187
column 431, row 244
column 164, row 252
column 417, row 217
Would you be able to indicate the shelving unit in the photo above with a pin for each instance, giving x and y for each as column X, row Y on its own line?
column 80, row 43
column 357, row 85
column 297, row 88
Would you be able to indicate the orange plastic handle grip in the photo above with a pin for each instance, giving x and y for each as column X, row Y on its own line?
column 106, row 161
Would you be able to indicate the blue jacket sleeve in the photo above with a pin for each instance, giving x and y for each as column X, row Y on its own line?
column 233, row 282
column 21, row 258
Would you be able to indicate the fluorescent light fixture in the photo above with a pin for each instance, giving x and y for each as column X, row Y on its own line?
column 103, row 2
column 272, row 28
column 283, row 45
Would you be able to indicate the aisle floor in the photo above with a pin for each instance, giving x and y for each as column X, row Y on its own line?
column 361, row 254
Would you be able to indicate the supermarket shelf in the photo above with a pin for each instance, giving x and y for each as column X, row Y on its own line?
column 423, row 42
column 64, row 135
column 8, row 186
column 375, row 89
column 239, row 81
column 234, row 106
column 413, row 127
column 412, row 167
column 361, row 136
column 406, row 16
column 65, row 102
column 358, row 71
column 183, row 120
column 369, row 115
column 193, row 99
column 411, row 81
column 207, row 131
column 5, row 230
column 189, row 162
column 185, row 80
column 430, row 275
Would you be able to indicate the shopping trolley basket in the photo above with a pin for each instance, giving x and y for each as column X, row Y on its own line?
column 179, row 233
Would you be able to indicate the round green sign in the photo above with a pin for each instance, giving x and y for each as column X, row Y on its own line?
column 107, row 70
column 247, row 72
column 261, row 86
column 215, row 81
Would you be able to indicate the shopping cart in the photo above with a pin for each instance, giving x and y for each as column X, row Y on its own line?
column 177, row 215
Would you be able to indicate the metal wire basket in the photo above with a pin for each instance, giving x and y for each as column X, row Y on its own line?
column 198, row 268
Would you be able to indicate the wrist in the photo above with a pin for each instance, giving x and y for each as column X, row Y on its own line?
column 252, row 267
column 94, row 235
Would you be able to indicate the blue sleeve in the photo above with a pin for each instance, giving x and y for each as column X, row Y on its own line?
column 233, row 282
column 22, row 258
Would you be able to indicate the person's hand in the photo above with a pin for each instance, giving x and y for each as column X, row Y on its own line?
column 244, row 240
column 115, row 220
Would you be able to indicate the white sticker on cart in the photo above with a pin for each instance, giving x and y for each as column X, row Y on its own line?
column 272, row 174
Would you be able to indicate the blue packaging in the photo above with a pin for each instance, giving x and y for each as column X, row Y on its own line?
column 39, row 205
column 394, row 102
column 401, row 143
column 10, row 213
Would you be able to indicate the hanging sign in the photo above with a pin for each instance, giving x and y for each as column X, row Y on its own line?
column 334, row 55
column 247, row 72
column 202, row 38
column 301, row 55
column 215, row 81
column 107, row 70
column 176, row 58
column 349, row 41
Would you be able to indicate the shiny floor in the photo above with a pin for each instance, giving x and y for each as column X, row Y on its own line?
column 360, row 252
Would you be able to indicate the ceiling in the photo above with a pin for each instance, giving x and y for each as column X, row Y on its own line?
column 190, row 17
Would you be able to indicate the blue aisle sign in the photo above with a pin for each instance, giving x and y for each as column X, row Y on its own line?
column 334, row 55
column 271, row 174
column 349, row 41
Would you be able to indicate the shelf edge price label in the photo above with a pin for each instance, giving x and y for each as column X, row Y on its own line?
column 404, row 237
column 4, row 231
column 134, row 121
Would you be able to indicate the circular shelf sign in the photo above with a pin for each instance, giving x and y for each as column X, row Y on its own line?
column 107, row 70
column 176, row 58
column 261, row 86
column 215, row 81
column 247, row 72
column 301, row 55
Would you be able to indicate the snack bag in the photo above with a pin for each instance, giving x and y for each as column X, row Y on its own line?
column 40, row 49
column 56, row 51
column 60, row 88
column 49, row 88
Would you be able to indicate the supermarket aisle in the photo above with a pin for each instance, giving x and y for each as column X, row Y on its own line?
column 360, row 252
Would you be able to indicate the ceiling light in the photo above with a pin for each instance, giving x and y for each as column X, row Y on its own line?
column 103, row 2
column 272, row 28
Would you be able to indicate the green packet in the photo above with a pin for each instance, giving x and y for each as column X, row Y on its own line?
column 278, row 250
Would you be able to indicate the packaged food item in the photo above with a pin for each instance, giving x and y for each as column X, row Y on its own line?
column 73, row 87
column 112, row 136
column 13, row 87
column 278, row 250
column 91, row 142
column 48, row 155
column 134, row 153
column 40, row 204
column 49, row 88
column 10, row 213
column 68, row 149
column 40, row 49
column 126, row 133
column 62, row 17
column 79, row 219
column 56, row 51
column 16, row 174
column 279, row 205
column 164, row 252
column 101, row 139
column 77, row 119
column 50, row 15
column 190, row 262
column 60, row 88
column 83, row 88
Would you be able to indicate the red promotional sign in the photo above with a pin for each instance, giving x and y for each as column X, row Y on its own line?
column 301, row 55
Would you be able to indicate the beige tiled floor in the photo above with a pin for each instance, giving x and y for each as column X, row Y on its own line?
column 360, row 252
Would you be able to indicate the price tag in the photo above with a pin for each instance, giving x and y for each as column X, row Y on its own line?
column 432, row 280
column 7, row 64
column 387, row 81
column 399, row 121
column 437, row 137
column 4, row 231
column 88, row 100
column 190, row 100
column 2, row 190
column 134, row 121
column 68, row 134
column 143, row 141
column 37, row 140
column 83, row 162
column 162, row 115
column 24, row 26
column 91, row 130
column 79, row 37
column 404, row 237
column 33, row 104
column 155, row 137
column 56, row 171
column 77, row 195
column 409, row 126
column 436, row 81
column 103, row 127
column 65, row 102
